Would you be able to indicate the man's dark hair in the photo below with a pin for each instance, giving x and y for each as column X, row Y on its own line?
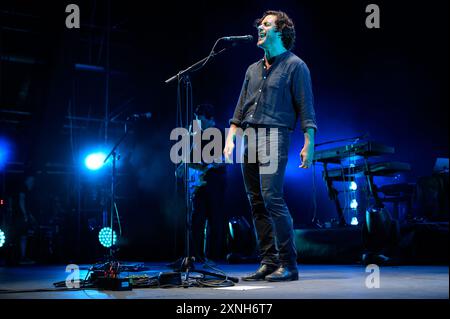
column 284, row 24
column 207, row 110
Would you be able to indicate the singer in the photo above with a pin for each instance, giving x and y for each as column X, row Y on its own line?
column 276, row 92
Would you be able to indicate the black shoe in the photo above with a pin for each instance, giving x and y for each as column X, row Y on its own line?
column 284, row 273
column 261, row 273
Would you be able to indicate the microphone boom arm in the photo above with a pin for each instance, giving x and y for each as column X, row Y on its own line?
column 192, row 67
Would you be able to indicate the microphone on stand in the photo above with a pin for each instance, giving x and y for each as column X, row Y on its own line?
column 239, row 38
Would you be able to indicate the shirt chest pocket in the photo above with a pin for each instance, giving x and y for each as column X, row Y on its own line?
column 277, row 80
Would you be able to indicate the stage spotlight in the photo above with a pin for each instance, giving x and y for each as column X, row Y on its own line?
column 4, row 152
column 2, row 238
column 104, row 236
column 94, row 161
column 353, row 204
column 354, row 221
column 353, row 186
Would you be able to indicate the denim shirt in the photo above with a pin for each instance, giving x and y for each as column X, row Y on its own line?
column 278, row 96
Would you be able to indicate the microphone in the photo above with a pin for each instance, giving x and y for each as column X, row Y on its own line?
column 239, row 38
column 141, row 116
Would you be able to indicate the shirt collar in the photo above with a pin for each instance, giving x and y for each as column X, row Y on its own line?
column 277, row 58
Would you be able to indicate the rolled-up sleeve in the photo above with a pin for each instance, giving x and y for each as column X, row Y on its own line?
column 303, row 97
column 237, row 116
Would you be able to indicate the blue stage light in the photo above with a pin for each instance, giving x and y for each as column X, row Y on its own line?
column 104, row 236
column 354, row 221
column 353, row 204
column 353, row 186
column 230, row 227
column 4, row 152
column 2, row 238
column 95, row 161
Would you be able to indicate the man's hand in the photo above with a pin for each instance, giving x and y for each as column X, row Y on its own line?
column 229, row 144
column 228, row 151
column 307, row 152
column 306, row 156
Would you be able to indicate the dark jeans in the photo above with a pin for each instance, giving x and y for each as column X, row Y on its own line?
column 273, row 222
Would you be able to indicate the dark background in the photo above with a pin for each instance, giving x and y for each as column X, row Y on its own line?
column 390, row 83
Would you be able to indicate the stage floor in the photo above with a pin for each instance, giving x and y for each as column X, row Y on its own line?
column 316, row 282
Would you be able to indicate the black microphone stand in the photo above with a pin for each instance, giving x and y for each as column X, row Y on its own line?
column 194, row 67
column 105, row 274
column 114, row 156
column 184, row 81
